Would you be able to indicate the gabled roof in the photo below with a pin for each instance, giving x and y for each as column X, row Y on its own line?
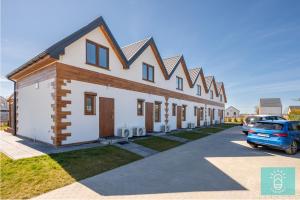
column 139, row 47
column 208, row 80
column 58, row 48
column 220, row 86
column 131, row 49
column 171, row 62
column 233, row 108
column 270, row 102
column 185, row 69
column 194, row 73
column 127, row 55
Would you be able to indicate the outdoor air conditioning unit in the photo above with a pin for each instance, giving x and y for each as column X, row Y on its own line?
column 138, row 131
column 165, row 128
column 191, row 125
column 141, row 131
column 125, row 132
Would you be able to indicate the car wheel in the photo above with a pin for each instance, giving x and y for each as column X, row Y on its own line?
column 292, row 148
column 253, row 145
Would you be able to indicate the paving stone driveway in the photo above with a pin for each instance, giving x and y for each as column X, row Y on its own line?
column 220, row 166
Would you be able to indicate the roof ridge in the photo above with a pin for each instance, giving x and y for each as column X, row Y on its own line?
column 147, row 38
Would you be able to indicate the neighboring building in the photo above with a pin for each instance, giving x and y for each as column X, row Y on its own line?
column 294, row 109
column 3, row 110
column 11, row 116
column 232, row 112
column 270, row 106
column 86, row 87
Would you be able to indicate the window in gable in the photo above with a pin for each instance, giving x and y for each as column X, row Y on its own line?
column 97, row 54
column 91, row 53
column 179, row 83
column 199, row 90
column 211, row 94
column 148, row 72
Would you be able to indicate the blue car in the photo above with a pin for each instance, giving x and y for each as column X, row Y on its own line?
column 278, row 134
column 250, row 121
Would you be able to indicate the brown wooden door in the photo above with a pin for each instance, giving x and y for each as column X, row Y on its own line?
column 179, row 120
column 149, row 117
column 198, row 116
column 106, row 117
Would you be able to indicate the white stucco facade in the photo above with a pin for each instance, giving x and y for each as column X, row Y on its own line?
column 34, row 104
column 270, row 111
column 34, row 111
column 232, row 112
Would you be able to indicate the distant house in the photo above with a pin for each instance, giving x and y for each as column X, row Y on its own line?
column 232, row 112
column 270, row 106
column 294, row 109
column 3, row 110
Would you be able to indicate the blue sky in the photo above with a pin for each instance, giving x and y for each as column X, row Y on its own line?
column 252, row 46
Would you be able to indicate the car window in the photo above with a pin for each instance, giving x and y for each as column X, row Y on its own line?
column 271, row 118
column 269, row 126
column 252, row 119
column 281, row 118
column 294, row 126
column 291, row 128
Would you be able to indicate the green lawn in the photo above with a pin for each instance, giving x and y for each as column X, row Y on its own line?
column 190, row 135
column 201, row 132
column 157, row 143
column 29, row 177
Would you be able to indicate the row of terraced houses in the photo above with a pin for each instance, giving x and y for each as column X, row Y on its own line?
column 87, row 87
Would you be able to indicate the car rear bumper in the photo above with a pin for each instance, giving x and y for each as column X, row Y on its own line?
column 274, row 142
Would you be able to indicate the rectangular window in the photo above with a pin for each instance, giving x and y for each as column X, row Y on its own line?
column 211, row 94
column 103, row 56
column 201, row 113
column 199, row 90
column 148, row 72
column 208, row 111
column 179, row 83
column 97, row 54
column 90, row 103
column 195, row 111
column 221, row 98
column 157, row 108
column 140, row 107
column 173, row 109
column 184, row 112
column 91, row 53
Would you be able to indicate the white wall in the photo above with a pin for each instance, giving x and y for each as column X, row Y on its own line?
column 86, row 127
column 230, row 112
column 270, row 111
column 34, row 111
column 75, row 54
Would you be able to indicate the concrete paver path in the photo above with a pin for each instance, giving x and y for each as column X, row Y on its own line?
column 137, row 149
column 17, row 147
column 220, row 166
